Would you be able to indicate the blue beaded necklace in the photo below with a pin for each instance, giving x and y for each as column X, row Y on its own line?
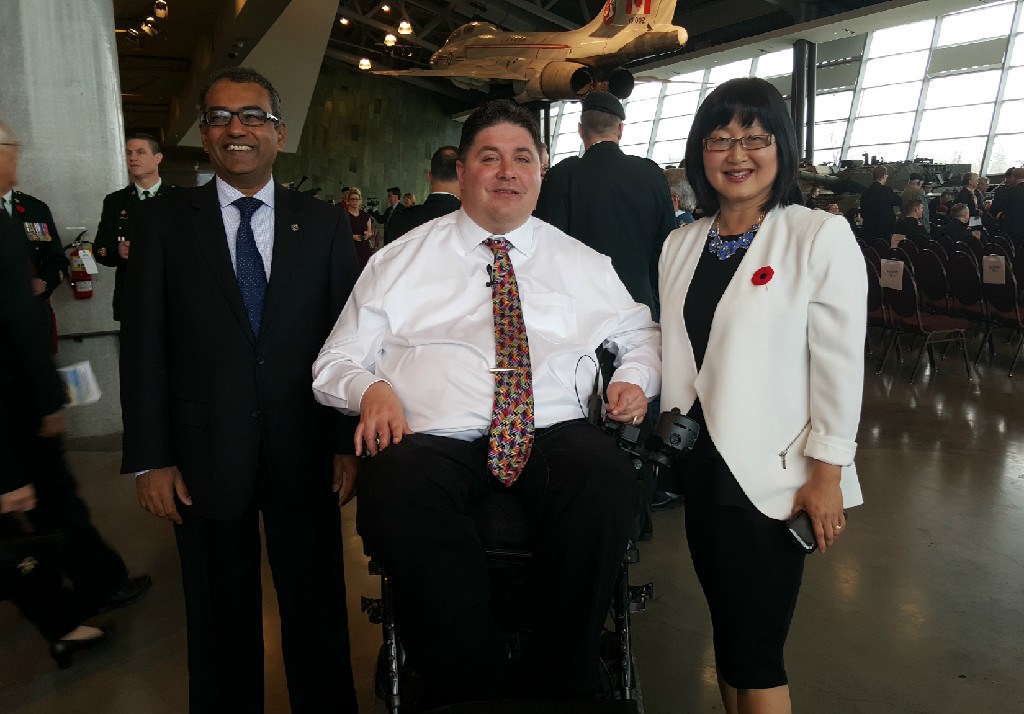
column 725, row 249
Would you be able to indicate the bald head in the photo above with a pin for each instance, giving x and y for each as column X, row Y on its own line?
column 8, row 159
column 1018, row 175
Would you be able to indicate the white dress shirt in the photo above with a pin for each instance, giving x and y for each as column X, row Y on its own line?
column 152, row 190
column 262, row 220
column 420, row 317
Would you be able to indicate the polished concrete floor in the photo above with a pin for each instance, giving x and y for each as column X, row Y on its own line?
column 919, row 608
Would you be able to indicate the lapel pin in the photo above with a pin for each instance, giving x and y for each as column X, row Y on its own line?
column 295, row 226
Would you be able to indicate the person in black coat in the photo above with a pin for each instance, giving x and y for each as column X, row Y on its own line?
column 876, row 206
column 113, row 236
column 443, row 198
column 957, row 229
column 968, row 194
column 617, row 204
column 911, row 224
column 233, row 289
column 30, row 412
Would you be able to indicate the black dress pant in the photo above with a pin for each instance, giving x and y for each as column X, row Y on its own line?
column 96, row 570
column 415, row 504
column 220, row 566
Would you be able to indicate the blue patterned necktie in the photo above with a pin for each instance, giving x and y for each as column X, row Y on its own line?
column 511, row 432
column 252, row 277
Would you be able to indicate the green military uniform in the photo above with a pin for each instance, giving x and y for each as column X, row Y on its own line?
column 119, row 208
column 45, row 248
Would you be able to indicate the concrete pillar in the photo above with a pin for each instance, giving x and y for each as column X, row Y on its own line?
column 60, row 93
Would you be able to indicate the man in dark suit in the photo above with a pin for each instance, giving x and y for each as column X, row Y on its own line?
column 49, row 264
column 911, row 225
column 619, row 205
column 395, row 206
column 234, row 286
column 968, row 194
column 957, row 229
column 876, row 206
column 113, row 237
column 443, row 198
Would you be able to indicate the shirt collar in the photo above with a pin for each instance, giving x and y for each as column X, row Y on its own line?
column 152, row 189
column 228, row 194
column 8, row 198
column 471, row 235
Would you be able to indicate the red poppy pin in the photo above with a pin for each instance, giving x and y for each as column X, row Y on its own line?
column 763, row 275
column 21, row 209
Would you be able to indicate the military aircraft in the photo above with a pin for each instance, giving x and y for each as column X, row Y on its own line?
column 558, row 65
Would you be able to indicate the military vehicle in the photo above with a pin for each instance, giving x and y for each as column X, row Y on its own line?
column 844, row 184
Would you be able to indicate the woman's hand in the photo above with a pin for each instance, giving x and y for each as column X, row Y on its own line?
column 823, row 501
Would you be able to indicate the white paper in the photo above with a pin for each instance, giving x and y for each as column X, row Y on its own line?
column 993, row 269
column 892, row 274
column 80, row 383
column 974, row 221
column 896, row 238
column 88, row 262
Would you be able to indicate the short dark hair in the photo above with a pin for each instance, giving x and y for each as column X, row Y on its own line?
column 911, row 205
column 597, row 124
column 749, row 100
column 967, row 178
column 499, row 111
column 243, row 75
column 154, row 145
column 395, row 191
column 442, row 164
column 879, row 172
column 959, row 209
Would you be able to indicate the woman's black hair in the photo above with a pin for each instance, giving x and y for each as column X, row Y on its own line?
column 749, row 100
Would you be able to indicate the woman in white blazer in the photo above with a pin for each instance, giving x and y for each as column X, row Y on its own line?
column 763, row 319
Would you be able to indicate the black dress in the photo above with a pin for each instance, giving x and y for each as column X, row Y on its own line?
column 748, row 565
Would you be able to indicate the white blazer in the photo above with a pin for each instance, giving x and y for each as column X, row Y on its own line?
column 783, row 375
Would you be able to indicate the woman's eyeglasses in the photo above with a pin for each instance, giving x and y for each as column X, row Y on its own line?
column 749, row 143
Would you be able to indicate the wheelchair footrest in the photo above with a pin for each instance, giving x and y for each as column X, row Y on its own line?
column 638, row 595
column 373, row 607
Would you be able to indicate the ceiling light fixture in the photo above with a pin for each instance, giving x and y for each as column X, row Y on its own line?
column 404, row 28
column 390, row 40
column 385, row 8
column 149, row 27
column 160, row 8
column 343, row 21
column 364, row 63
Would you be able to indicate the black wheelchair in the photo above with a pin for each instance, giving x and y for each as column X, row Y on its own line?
column 505, row 530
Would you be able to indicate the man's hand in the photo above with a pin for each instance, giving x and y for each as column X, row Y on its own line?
column 20, row 500
column 346, row 468
column 38, row 286
column 823, row 501
column 626, row 402
column 156, row 491
column 122, row 249
column 52, row 425
column 381, row 419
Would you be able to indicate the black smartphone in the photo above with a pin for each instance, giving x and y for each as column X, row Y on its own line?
column 803, row 532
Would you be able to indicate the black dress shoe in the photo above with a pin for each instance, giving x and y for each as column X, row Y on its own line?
column 129, row 592
column 62, row 651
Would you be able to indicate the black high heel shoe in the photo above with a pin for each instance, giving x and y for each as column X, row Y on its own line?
column 62, row 651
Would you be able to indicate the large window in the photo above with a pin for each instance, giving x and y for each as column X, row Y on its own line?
column 927, row 89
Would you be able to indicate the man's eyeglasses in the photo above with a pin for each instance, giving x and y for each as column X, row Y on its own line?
column 749, row 143
column 247, row 117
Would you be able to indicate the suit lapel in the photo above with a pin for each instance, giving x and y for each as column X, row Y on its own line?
column 208, row 228
column 288, row 231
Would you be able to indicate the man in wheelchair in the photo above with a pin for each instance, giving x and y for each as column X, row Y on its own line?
column 467, row 348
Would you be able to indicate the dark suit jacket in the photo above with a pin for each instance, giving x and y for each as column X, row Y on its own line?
column 913, row 229
column 619, row 205
column 876, row 208
column 119, row 208
column 389, row 213
column 436, row 205
column 956, row 231
column 46, row 249
column 970, row 199
column 29, row 384
column 198, row 390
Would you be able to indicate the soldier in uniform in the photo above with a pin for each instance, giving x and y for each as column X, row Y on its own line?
column 45, row 250
column 113, row 236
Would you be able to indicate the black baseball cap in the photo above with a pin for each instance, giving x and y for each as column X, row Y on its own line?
column 604, row 102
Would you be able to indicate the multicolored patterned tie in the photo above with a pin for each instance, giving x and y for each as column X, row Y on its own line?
column 512, row 417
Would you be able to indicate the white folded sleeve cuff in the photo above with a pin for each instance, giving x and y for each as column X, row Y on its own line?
column 830, row 449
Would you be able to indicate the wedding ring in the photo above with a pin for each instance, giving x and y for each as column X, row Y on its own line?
column 838, row 528
column 634, row 420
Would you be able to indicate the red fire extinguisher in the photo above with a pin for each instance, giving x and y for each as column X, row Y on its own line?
column 82, row 262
